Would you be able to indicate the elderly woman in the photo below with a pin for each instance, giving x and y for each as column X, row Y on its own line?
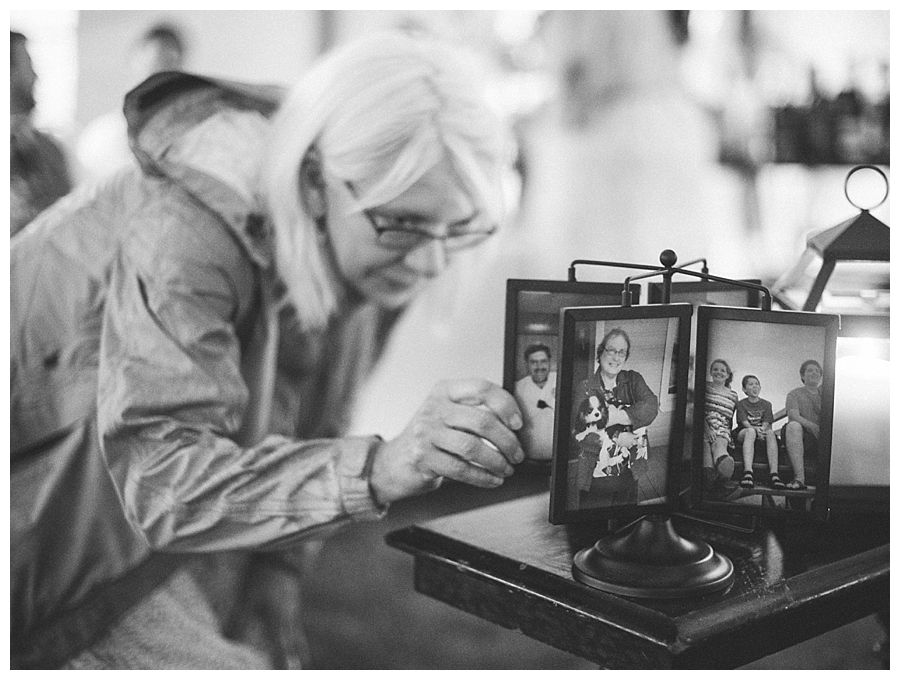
column 632, row 406
column 187, row 340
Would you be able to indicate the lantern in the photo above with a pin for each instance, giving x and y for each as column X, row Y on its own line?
column 846, row 270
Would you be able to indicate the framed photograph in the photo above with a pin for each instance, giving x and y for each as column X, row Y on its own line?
column 616, row 452
column 764, row 409
column 531, row 348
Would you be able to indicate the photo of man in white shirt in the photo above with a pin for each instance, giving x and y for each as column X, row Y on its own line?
column 536, row 394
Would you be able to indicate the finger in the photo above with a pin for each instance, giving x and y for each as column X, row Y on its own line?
column 472, row 449
column 479, row 392
column 483, row 422
column 452, row 467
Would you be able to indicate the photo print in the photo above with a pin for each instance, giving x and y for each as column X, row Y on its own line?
column 531, row 349
column 764, row 402
column 616, row 449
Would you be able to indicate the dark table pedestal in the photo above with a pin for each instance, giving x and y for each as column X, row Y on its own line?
column 507, row 564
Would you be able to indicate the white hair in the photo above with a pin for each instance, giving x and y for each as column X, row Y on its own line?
column 380, row 112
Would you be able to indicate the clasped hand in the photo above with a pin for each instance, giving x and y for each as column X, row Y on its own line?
column 463, row 431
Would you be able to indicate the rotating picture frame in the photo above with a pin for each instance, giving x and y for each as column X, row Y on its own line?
column 531, row 349
column 756, row 367
column 618, row 437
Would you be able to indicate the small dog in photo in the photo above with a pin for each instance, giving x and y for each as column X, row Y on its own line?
column 598, row 451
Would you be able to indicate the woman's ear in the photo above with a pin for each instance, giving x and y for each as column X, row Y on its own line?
column 312, row 185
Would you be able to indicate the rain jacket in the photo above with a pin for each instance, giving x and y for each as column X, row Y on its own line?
column 162, row 402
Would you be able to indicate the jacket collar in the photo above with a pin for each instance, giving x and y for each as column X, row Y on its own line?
column 207, row 135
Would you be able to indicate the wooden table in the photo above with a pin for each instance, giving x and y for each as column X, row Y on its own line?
column 507, row 564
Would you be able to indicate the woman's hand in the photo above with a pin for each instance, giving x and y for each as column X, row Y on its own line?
column 463, row 430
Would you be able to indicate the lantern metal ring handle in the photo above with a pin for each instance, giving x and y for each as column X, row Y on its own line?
column 866, row 167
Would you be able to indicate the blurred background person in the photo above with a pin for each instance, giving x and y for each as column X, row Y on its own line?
column 623, row 144
column 38, row 169
column 102, row 147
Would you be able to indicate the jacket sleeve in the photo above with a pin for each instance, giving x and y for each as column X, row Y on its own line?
column 645, row 406
column 171, row 399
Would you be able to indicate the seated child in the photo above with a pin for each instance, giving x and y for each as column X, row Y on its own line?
column 721, row 400
column 754, row 416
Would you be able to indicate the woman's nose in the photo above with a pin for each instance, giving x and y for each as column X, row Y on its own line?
column 429, row 259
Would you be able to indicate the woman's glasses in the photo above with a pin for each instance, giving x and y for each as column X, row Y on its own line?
column 400, row 233
column 610, row 352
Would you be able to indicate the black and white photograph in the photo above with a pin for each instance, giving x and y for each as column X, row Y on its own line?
column 291, row 386
column 763, row 433
column 531, row 357
column 615, row 435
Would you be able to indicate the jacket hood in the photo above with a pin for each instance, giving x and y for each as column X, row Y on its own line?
column 207, row 135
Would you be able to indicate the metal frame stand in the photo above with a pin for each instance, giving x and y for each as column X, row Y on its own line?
column 648, row 558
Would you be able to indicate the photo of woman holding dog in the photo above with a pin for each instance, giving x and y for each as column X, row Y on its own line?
column 612, row 410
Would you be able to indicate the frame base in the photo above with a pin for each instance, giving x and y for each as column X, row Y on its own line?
column 653, row 561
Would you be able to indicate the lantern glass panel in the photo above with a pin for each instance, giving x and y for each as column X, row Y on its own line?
column 794, row 286
column 857, row 288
